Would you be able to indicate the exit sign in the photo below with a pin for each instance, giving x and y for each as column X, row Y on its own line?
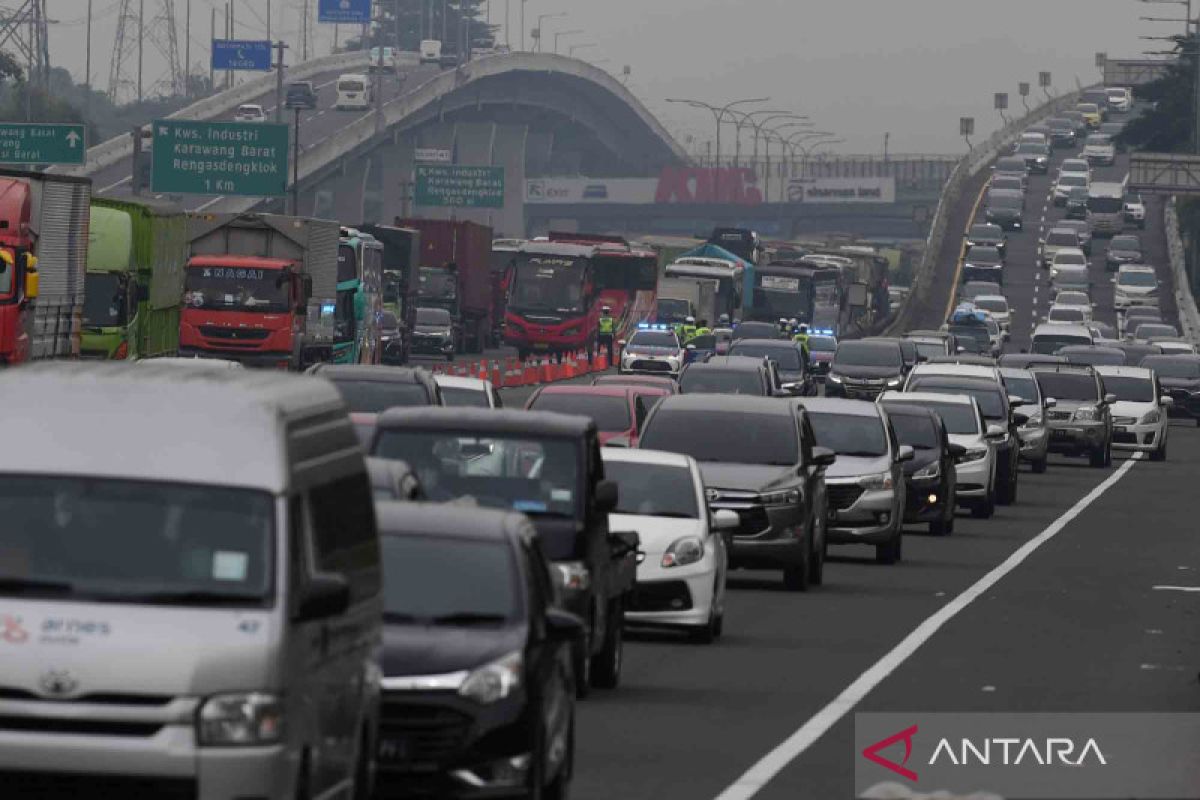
column 42, row 143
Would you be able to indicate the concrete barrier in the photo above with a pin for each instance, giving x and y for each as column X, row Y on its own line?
column 1185, row 302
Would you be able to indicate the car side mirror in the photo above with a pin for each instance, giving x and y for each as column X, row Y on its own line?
column 823, row 457
column 724, row 519
column 623, row 543
column 1020, row 418
column 1014, row 401
column 606, row 496
column 1109, row 399
column 995, row 432
column 563, row 626
column 691, row 347
column 956, row 451
column 905, row 453
column 1050, row 402
column 324, row 595
column 960, row 349
column 1166, row 401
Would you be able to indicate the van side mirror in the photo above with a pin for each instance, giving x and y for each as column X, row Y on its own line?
column 1019, row 418
column 33, row 283
column 995, row 432
column 1050, row 402
column 1166, row 401
column 606, row 496
column 823, row 457
column 623, row 543
column 724, row 519
column 324, row 595
column 905, row 453
column 1109, row 399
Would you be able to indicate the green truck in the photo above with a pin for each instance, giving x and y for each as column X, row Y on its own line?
column 137, row 250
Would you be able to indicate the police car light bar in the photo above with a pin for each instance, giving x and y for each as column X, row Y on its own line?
column 653, row 326
column 822, row 331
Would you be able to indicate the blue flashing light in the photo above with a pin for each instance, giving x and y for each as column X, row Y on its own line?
column 653, row 326
column 822, row 331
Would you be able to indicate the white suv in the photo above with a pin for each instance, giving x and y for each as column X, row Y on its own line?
column 1139, row 415
column 1136, row 285
column 1135, row 209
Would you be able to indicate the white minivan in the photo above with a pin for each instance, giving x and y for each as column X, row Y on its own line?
column 353, row 92
column 431, row 51
column 190, row 585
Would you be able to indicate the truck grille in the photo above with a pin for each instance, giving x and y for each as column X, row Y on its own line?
column 234, row 334
column 1124, row 420
column 71, row 786
column 843, row 495
column 412, row 734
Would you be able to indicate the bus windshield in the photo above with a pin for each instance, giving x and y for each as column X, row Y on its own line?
column 548, row 283
column 347, row 269
column 784, row 296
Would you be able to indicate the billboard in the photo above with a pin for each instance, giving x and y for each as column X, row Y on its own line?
column 343, row 11
column 842, row 190
column 459, row 187
column 561, row 191
column 241, row 54
column 699, row 186
column 1165, row 173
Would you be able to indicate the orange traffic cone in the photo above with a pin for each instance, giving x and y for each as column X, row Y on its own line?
column 547, row 371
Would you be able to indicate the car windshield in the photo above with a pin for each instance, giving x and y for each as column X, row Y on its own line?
column 1004, row 200
column 1071, row 299
column 1173, row 366
column 1011, row 165
column 930, row 349
column 850, row 434
column 958, row 418
column 915, row 430
column 1153, row 330
column 448, row 580
column 1094, row 357
column 1062, row 239
column 822, row 344
column 998, row 304
column 868, row 354
column 1067, row 385
column 462, row 396
column 984, row 233
column 1034, row 148
column 1070, row 259
column 755, row 439
column 1073, row 179
column 788, row 358
column 106, row 540
column 609, row 412
column 654, row 339
column 1022, row 386
column 1126, row 243
column 373, row 397
column 236, row 289
column 705, row 379
column 1144, row 314
column 992, row 402
column 1065, row 314
column 1129, row 389
column 984, row 255
column 653, row 490
column 548, row 283
column 250, row 110
column 1098, row 140
column 538, row 476
column 1137, row 278
column 103, row 299
column 756, row 330
column 1007, row 182
column 434, row 317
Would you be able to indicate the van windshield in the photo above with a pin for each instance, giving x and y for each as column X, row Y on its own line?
column 374, row 397
column 120, row 541
column 351, row 86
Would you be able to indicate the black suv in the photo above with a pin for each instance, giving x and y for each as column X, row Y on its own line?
column 478, row 685
column 759, row 457
column 794, row 376
column 863, row 368
column 729, row 375
column 548, row 467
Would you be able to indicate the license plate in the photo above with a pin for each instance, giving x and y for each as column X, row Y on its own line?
column 392, row 749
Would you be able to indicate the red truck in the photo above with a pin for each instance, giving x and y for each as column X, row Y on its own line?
column 260, row 289
column 44, row 223
column 456, row 274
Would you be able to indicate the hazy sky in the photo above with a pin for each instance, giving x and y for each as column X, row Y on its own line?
column 857, row 67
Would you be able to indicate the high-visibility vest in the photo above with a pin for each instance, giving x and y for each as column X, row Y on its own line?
column 701, row 332
column 802, row 338
column 606, row 326
column 688, row 332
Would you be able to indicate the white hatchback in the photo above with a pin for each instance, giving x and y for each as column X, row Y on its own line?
column 1140, row 421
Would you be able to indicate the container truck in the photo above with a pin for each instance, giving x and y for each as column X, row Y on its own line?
column 137, row 250
column 260, row 289
column 680, row 298
column 43, row 259
column 455, row 274
column 401, row 254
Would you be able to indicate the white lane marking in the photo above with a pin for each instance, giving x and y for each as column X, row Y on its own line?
column 203, row 206
column 770, row 765
column 126, row 179
column 1176, row 588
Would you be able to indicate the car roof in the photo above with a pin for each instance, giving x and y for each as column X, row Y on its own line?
column 485, row 421
column 372, row 373
column 958, row 370
column 456, row 382
column 652, row 381
column 746, row 363
column 1014, row 372
column 838, row 405
column 1135, row 268
column 639, row 456
column 1091, row 348
column 927, row 397
column 1030, row 358
column 778, row 344
column 724, row 404
column 1124, row 372
column 396, row 518
column 1081, row 369
column 592, row 390
column 1069, row 251
column 1062, row 330
column 979, row 297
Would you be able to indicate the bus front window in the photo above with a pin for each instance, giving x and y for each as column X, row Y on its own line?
column 548, row 284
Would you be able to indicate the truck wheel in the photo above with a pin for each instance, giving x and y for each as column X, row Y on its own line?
column 606, row 665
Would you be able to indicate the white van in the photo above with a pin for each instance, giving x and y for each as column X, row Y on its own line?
column 431, row 51
column 191, row 590
column 1106, row 208
column 353, row 91
column 1048, row 337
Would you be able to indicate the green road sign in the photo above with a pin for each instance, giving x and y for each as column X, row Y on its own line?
column 224, row 158
column 459, row 187
column 42, row 143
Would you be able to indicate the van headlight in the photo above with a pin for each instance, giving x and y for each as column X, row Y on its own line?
column 494, row 681
column 930, row 470
column 974, row 454
column 788, row 497
column 1087, row 414
column 232, row 720
column 876, row 483
column 833, row 377
column 1150, row 417
column 684, row 551
column 893, row 382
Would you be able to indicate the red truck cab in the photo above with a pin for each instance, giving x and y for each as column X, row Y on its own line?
column 15, row 297
column 246, row 308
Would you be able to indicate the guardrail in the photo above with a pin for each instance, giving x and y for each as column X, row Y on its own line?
column 1189, row 317
column 966, row 169
column 112, row 151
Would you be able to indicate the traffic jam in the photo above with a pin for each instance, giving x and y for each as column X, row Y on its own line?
column 361, row 567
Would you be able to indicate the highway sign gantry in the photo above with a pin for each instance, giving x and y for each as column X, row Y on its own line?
column 42, row 143
column 221, row 158
column 241, row 54
column 459, row 186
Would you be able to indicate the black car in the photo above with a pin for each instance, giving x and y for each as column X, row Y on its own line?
column 1062, row 132
column 478, row 686
column 1136, row 351
column 1123, row 249
column 370, row 389
column 753, row 329
column 794, row 377
column 1037, row 156
column 996, row 406
column 1179, row 376
column 983, row 263
column 862, row 368
column 728, row 375
column 1077, row 200
column 548, row 467
column 391, row 339
column 1006, row 209
column 301, row 94
column 987, row 235
column 765, row 465
column 908, row 349
column 434, row 333
column 930, row 475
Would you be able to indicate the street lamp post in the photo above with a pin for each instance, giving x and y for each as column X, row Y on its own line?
column 748, row 119
column 541, row 31
column 807, row 151
column 718, row 113
column 1187, row 4
column 571, row 50
column 800, row 136
column 564, row 33
column 800, row 119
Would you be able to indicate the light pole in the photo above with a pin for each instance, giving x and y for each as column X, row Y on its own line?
column 807, row 151
column 573, row 32
column 1187, row 4
column 585, row 45
column 800, row 136
column 718, row 113
column 758, row 128
column 541, row 32
column 747, row 119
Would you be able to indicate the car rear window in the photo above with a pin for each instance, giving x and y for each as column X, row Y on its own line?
column 610, row 413
column 755, row 439
column 1067, row 385
column 850, row 434
column 702, row 379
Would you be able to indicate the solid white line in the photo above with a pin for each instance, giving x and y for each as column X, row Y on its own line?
column 1176, row 588
column 126, row 179
column 203, row 206
column 755, row 778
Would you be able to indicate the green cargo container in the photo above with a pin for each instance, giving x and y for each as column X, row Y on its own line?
column 136, row 254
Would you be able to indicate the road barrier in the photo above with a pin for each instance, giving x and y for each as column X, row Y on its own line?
column 511, row 372
column 924, row 285
column 1185, row 302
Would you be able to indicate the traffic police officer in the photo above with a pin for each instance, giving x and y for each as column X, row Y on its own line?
column 689, row 329
column 802, row 337
column 607, row 328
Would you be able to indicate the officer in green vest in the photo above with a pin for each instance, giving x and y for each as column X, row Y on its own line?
column 607, row 329
column 702, row 329
column 802, row 337
column 689, row 329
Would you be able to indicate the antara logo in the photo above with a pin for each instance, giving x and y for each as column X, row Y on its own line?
column 871, row 753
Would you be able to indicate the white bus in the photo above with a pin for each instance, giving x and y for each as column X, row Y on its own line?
column 353, row 91
column 1106, row 208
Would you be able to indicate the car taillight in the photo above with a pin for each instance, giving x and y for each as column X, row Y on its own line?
column 122, row 351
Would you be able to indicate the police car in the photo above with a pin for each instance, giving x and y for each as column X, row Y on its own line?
column 653, row 349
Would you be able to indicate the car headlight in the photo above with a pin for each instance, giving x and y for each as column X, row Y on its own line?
column 573, row 575
column 682, row 552
column 788, row 497
column 1150, row 417
column 494, row 681
column 1034, row 421
column 1087, row 414
column 893, row 382
column 876, row 483
column 833, row 377
column 247, row 719
column 974, row 454
column 931, row 470
column 673, row 361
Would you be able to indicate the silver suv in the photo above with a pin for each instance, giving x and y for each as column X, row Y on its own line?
column 1080, row 420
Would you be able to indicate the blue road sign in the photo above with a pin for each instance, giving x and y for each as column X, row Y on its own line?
column 241, row 54
column 342, row 11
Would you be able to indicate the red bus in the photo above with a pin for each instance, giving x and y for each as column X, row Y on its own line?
column 626, row 277
column 553, row 304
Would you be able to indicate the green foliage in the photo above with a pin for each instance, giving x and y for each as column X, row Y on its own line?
column 1167, row 126
column 410, row 17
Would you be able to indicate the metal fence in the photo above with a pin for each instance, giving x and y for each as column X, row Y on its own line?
column 1189, row 317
